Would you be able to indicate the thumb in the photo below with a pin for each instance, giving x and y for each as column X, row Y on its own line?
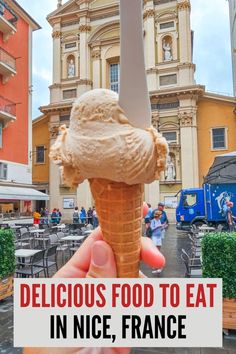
column 102, row 263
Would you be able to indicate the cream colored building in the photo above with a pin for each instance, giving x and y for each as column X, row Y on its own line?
column 232, row 15
column 86, row 52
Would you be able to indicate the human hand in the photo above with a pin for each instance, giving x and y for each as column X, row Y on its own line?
column 95, row 259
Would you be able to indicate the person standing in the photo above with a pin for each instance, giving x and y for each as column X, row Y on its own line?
column 229, row 216
column 95, row 218
column 54, row 216
column 82, row 215
column 76, row 216
column 59, row 215
column 90, row 216
column 156, row 227
column 164, row 219
column 147, row 220
column 36, row 217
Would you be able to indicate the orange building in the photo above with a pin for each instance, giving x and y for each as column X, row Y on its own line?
column 16, row 28
column 40, row 159
column 216, row 127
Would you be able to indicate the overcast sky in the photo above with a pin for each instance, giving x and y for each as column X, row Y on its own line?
column 212, row 55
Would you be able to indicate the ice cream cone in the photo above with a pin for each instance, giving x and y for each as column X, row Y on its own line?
column 119, row 209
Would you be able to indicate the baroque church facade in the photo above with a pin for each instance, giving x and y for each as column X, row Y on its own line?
column 86, row 55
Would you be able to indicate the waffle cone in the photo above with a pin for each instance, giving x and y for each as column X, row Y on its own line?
column 119, row 209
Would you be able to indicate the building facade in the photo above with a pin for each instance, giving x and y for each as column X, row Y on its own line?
column 39, row 157
column 16, row 29
column 86, row 55
column 232, row 15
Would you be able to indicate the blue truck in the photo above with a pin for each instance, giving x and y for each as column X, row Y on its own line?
column 206, row 205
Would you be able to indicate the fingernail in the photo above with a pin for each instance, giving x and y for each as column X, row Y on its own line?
column 99, row 255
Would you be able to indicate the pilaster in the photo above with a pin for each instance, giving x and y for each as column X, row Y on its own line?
column 56, row 35
column 189, row 148
column 96, row 62
column 84, row 30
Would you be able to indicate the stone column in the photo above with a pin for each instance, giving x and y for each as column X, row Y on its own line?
column 54, row 173
column 186, row 68
column 96, row 60
column 189, row 149
column 55, row 93
column 149, row 43
column 84, row 83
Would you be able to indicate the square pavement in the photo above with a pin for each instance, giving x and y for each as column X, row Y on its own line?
column 172, row 246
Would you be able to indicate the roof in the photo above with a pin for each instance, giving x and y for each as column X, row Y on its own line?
column 20, row 11
column 223, row 169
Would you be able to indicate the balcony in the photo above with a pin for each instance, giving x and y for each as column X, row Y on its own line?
column 7, row 111
column 7, row 65
column 7, row 20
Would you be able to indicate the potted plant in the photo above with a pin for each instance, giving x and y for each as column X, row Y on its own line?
column 219, row 261
column 7, row 263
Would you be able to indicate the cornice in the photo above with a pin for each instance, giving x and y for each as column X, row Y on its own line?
column 184, row 6
column 178, row 92
column 56, row 34
column 148, row 13
column 56, row 107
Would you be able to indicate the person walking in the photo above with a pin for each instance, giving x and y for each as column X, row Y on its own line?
column 147, row 220
column 156, row 227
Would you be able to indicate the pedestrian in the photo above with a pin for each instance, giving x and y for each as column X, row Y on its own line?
column 90, row 216
column 59, row 215
column 83, row 215
column 229, row 216
column 95, row 218
column 147, row 220
column 156, row 227
column 164, row 218
column 36, row 217
column 76, row 216
column 54, row 216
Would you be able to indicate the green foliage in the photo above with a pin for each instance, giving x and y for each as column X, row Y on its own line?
column 219, row 260
column 7, row 253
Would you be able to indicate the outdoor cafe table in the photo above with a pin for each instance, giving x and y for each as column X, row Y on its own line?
column 87, row 232
column 37, row 233
column 62, row 226
column 25, row 253
column 72, row 238
column 206, row 228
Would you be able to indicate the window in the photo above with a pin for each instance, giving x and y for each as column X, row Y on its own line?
column 114, row 77
column 190, row 200
column 3, row 170
column 167, row 25
column 171, row 137
column 40, row 154
column 218, row 138
column 64, row 118
column 67, row 94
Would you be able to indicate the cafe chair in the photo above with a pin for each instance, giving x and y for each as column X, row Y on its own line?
column 33, row 268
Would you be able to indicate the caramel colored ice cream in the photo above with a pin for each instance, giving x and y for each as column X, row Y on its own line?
column 100, row 143
column 117, row 158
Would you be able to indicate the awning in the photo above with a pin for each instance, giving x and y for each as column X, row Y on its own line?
column 223, row 169
column 20, row 193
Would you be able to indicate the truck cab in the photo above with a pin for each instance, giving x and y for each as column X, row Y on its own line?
column 191, row 208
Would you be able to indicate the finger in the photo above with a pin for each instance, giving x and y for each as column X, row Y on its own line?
column 102, row 261
column 145, row 209
column 78, row 265
column 150, row 254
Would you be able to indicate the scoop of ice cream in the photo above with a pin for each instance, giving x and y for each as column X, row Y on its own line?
column 101, row 143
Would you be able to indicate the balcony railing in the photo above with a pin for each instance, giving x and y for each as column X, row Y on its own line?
column 7, row 59
column 7, row 110
column 7, row 65
column 8, row 19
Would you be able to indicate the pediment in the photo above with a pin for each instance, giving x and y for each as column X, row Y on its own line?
column 166, row 15
column 168, row 126
column 101, row 3
column 69, row 6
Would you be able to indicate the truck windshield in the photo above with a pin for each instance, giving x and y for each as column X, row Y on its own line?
column 190, row 200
